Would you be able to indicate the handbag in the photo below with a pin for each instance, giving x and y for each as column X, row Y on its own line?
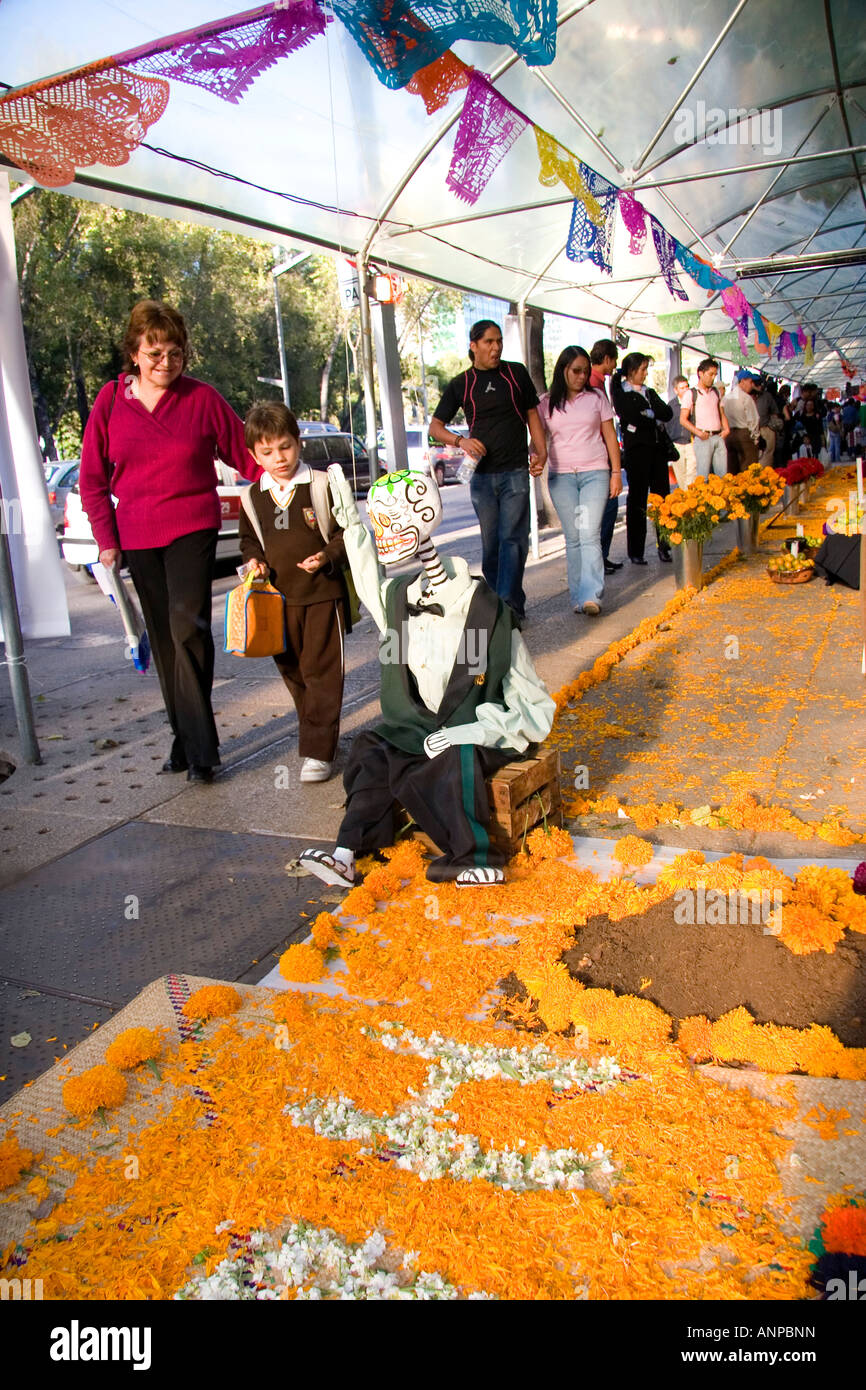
column 672, row 453
column 255, row 622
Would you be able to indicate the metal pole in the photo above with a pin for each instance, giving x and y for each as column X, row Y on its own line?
column 533, row 496
column 424, row 403
column 15, row 658
column 277, row 271
column 281, row 340
column 367, row 367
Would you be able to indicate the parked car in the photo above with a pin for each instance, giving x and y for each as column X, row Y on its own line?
column 59, row 479
column 318, row 427
column 80, row 549
column 325, row 446
column 445, row 459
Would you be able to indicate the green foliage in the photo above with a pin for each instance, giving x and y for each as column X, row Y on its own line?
column 83, row 266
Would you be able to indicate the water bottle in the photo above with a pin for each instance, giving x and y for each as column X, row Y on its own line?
column 466, row 468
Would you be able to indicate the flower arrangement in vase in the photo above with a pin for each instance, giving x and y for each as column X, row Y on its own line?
column 752, row 492
column 688, row 514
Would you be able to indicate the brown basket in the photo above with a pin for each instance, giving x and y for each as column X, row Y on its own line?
column 797, row 577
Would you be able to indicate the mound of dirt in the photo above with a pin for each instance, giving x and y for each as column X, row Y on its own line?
column 711, row 969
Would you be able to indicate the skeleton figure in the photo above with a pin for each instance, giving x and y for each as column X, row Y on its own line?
column 459, row 694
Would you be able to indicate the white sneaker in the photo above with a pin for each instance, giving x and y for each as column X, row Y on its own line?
column 314, row 770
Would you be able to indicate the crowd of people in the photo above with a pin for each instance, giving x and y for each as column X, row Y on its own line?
column 148, row 486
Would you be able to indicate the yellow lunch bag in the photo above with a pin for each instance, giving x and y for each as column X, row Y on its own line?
column 255, row 619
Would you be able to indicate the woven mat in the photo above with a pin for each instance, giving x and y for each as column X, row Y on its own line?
column 38, row 1107
column 814, row 1168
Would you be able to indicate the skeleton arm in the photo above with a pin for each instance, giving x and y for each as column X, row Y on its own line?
column 360, row 547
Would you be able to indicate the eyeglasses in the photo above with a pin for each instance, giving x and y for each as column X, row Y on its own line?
column 172, row 355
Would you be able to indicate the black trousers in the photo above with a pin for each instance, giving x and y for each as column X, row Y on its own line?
column 173, row 583
column 647, row 469
column 445, row 796
column 608, row 522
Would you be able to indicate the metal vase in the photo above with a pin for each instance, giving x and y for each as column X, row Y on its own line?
column 688, row 564
column 791, row 498
column 747, row 534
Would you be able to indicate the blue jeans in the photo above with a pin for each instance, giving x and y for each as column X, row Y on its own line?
column 580, row 500
column 711, row 456
column 501, row 502
column 834, row 442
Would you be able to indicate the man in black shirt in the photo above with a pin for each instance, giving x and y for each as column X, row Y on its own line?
column 499, row 403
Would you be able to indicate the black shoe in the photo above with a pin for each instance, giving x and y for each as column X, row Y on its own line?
column 635, row 561
column 174, row 765
column 665, row 556
column 199, row 774
column 611, row 566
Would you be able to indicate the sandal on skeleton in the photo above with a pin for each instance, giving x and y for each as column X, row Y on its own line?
column 327, row 868
column 479, row 878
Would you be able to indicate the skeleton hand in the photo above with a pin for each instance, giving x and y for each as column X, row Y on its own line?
column 343, row 502
column 436, row 743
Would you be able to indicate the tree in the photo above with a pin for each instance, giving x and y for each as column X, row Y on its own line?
column 83, row 266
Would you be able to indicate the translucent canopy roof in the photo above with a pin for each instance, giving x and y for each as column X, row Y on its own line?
column 653, row 97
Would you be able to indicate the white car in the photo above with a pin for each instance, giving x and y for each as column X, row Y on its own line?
column 417, row 448
column 60, row 478
column 80, row 549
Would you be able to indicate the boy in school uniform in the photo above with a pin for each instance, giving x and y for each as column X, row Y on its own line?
column 288, row 534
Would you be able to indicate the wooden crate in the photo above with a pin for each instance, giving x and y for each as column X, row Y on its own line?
column 523, row 795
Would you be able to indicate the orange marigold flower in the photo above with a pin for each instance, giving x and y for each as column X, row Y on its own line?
column 359, row 902
column 550, row 843
column 821, row 887
column 132, row 1047
column 732, row 1036
column 632, row 852
column 95, row 1089
column 212, row 1001
column 804, row 929
column 844, row 1230
column 851, row 911
column 684, row 872
column 551, row 984
column 819, row 1051
column 695, row 1038
column 302, row 963
column 382, row 883
column 405, row 858
column 835, row 833
column 13, row 1161
column 324, row 931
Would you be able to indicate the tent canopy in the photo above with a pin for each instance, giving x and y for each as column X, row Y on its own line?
column 739, row 124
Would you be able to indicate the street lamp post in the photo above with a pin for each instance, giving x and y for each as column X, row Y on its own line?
column 277, row 271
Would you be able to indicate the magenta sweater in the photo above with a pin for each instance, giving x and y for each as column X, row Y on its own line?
column 160, row 465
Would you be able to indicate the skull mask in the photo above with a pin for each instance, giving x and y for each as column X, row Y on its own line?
column 405, row 509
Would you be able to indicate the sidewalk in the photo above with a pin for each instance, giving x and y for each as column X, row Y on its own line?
column 112, row 875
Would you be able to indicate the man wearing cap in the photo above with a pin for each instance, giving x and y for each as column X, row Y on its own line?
column 742, row 417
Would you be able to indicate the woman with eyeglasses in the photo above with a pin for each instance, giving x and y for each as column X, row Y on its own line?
column 150, row 443
column 584, row 463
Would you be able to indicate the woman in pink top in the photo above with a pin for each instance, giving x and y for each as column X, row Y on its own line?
column 584, row 471
column 150, row 442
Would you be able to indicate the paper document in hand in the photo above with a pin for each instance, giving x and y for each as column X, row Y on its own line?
column 137, row 643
